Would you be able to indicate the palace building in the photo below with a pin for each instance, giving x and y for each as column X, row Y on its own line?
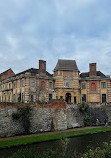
column 66, row 83
column 66, row 76
column 95, row 86
column 31, row 85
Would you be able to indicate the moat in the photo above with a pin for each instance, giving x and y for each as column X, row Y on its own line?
column 78, row 145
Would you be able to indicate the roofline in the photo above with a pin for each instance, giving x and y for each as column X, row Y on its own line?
column 6, row 71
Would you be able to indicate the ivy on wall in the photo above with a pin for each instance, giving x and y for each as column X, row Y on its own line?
column 23, row 115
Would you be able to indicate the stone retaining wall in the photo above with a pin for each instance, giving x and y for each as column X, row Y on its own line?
column 49, row 119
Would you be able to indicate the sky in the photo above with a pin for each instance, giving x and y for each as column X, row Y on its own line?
column 55, row 29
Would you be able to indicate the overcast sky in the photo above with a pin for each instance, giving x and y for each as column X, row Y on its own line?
column 55, row 29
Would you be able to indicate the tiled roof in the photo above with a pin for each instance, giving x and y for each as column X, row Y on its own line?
column 66, row 65
column 33, row 72
column 86, row 74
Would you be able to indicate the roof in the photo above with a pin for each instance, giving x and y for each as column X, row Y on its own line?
column 66, row 65
column 86, row 74
column 6, row 74
column 33, row 72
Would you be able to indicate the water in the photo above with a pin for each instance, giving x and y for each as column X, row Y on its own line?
column 78, row 145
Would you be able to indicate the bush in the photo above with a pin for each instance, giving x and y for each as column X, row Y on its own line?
column 84, row 106
column 30, row 153
column 99, row 153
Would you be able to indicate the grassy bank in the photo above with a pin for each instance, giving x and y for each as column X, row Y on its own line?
column 40, row 138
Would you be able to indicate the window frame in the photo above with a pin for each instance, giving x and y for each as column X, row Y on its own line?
column 23, row 83
column 103, row 85
column 83, row 85
column 32, row 82
column 50, row 85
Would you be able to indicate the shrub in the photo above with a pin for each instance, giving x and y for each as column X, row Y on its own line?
column 30, row 153
column 99, row 153
column 84, row 106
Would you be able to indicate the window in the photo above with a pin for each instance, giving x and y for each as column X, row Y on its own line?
column 75, row 101
column 9, row 85
column 84, row 97
column 9, row 98
column 32, row 83
column 2, row 98
column 14, row 85
column 14, row 98
column 83, row 85
column 23, row 83
column 68, row 82
column 50, row 97
column 6, row 86
column 22, row 97
column 5, row 98
column 32, row 98
column 19, row 97
column 103, row 84
column 50, row 84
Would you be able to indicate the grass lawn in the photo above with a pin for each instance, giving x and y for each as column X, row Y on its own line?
column 40, row 138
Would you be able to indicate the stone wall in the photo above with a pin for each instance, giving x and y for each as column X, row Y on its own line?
column 49, row 119
column 42, row 119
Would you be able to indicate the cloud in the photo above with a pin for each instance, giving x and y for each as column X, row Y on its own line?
column 53, row 29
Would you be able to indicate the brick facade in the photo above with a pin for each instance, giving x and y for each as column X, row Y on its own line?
column 67, row 84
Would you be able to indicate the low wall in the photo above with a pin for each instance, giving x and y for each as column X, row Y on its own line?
column 43, row 118
column 49, row 118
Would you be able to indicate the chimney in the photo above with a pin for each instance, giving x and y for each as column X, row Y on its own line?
column 42, row 67
column 92, row 72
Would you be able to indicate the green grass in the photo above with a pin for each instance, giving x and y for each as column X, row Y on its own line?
column 26, row 140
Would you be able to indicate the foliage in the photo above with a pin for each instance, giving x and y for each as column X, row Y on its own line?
column 23, row 115
column 30, row 153
column 64, row 143
column 98, row 152
column 87, row 121
column 84, row 106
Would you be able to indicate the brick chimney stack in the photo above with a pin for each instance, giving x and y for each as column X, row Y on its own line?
column 42, row 67
column 92, row 68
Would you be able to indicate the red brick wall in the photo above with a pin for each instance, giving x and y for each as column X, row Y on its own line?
column 56, row 104
column 92, row 68
column 6, row 74
column 93, row 86
column 42, row 66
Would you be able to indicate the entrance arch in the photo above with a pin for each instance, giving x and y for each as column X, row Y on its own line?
column 68, row 97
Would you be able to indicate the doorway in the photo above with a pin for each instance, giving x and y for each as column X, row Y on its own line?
column 103, row 98
column 75, row 101
column 68, row 97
